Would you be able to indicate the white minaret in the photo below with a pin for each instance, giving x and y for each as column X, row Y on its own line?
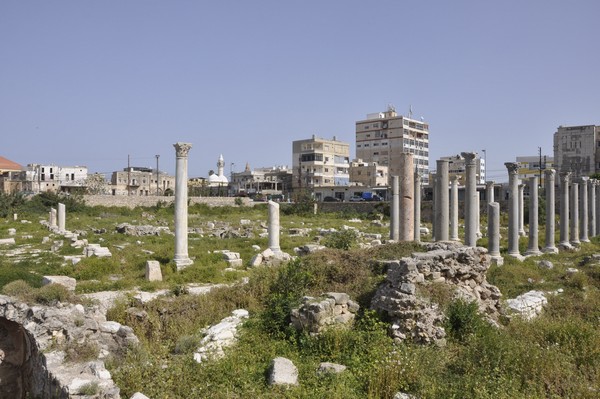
column 220, row 166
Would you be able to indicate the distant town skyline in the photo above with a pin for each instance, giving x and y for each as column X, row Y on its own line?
column 89, row 83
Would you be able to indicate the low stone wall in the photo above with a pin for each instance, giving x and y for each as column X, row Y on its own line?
column 151, row 200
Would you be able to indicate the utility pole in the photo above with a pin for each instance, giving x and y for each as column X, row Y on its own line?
column 157, row 175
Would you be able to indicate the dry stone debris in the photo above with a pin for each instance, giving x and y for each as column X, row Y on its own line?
column 317, row 314
column 283, row 372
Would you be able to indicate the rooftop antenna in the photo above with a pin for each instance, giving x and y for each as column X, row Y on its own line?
column 410, row 111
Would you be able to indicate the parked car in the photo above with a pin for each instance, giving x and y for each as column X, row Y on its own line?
column 356, row 198
column 331, row 199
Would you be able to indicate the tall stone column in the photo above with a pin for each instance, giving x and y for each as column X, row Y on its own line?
column 181, row 207
column 493, row 211
column 583, row 210
column 407, row 204
column 513, row 208
column 62, row 217
column 550, row 212
column 533, row 247
column 274, row 227
column 417, row 207
column 52, row 217
column 592, row 207
column 433, row 206
column 489, row 191
column 564, row 210
column 454, row 209
column 441, row 204
column 471, row 199
column 574, row 204
column 395, row 209
column 521, row 211
column 478, row 216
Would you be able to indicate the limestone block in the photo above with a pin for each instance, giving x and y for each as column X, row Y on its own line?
column 545, row 264
column 67, row 282
column 341, row 298
column 256, row 260
column 326, row 367
column 528, row 305
column 235, row 263
column 139, row 395
column 7, row 241
column 12, row 232
column 153, row 272
column 283, row 372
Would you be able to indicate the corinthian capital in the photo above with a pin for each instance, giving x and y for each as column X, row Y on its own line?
column 513, row 167
column 182, row 149
column 469, row 157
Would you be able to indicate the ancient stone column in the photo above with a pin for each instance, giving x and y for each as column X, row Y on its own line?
column 583, row 210
column 417, row 207
column 533, row 247
column 513, row 208
column 441, row 204
column 489, row 191
column 61, row 217
column 181, row 207
column 574, row 204
column 564, row 210
column 52, row 217
column 407, row 204
column 454, row 209
column 493, row 211
column 521, row 211
column 478, row 217
column 395, row 209
column 550, row 212
column 274, row 227
column 471, row 199
column 433, row 206
column 592, row 207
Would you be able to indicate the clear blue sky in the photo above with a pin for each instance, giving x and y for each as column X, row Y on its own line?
column 91, row 82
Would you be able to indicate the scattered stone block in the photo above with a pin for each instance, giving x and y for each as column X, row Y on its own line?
column 67, row 282
column 545, row 264
column 12, row 232
column 153, row 272
column 529, row 305
column 139, row 395
column 326, row 367
column 283, row 372
column 219, row 336
column 7, row 241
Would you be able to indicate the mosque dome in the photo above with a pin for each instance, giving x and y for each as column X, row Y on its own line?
column 219, row 177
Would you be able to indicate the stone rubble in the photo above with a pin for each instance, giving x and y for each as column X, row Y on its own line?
column 317, row 314
column 220, row 336
column 415, row 317
column 529, row 305
column 282, row 372
column 144, row 230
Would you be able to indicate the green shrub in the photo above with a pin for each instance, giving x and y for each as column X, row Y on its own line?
column 344, row 239
column 19, row 289
column 51, row 294
column 80, row 352
column 463, row 319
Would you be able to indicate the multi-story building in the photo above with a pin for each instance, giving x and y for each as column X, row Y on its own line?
column 319, row 162
column 383, row 136
column 54, row 178
column 456, row 167
column 267, row 181
column 530, row 166
column 141, row 181
column 369, row 174
column 577, row 149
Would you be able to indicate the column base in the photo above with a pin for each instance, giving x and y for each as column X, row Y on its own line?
column 550, row 250
column 585, row 240
column 517, row 256
column 182, row 263
column 576, row 243
column 533, row 252
column 497, row 260
column 566, row 246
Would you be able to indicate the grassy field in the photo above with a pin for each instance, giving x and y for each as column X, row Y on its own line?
column 556, row 355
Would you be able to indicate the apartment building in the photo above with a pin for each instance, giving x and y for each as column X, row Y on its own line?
column 266, row 181
column 319, row 162
column 530, row 166
column 577, row 149
column 368, row 174
column 383, row 136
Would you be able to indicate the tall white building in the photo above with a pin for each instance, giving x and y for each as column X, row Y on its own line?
column 456, row 166
column 383, row 136
column 577, row 149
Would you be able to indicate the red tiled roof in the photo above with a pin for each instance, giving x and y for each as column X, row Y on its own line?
column 6, row 164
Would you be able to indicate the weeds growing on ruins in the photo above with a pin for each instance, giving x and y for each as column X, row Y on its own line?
column 556, row 355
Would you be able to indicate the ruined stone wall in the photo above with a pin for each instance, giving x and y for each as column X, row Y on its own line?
column 151, row 200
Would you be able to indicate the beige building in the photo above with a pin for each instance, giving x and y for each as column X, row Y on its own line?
column 319, row 162
column 12, row 176
column 383, row 136
column 530, row 166
column 456, row 167
column 265, row 181
column 368, row 174
column 141, row 181
column 577, row 149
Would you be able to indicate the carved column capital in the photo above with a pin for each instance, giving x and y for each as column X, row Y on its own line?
column 182, row 149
